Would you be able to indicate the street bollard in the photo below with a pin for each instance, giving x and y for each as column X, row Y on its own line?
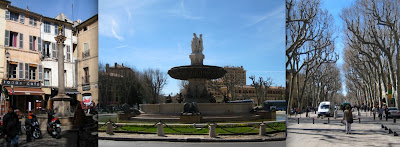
column 160, row 131
column 328, row 120
column 383, row 126
column 313, row 120
column 395, row 134
column 359, row 120
column 298, row 120
column 394, row 120
column 386, row 128
column 212, row 132
column 109, row 130
column 390, row 131
column 262, row 129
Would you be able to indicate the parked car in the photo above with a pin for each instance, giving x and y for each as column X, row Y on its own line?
column 393, row 112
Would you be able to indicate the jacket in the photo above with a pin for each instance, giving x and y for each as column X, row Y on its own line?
column 348, row 115
column 10, row 124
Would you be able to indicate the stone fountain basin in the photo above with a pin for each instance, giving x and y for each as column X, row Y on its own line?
column 197, row 72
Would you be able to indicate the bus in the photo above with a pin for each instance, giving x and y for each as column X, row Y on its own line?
column 274, row 105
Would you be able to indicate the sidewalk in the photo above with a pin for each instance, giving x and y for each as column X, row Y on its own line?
column 366, row 133
column 191, row 138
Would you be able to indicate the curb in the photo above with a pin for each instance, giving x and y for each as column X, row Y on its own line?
column 190, row 139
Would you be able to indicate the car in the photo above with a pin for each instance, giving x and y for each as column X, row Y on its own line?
column 325, row 109
column 393, row 112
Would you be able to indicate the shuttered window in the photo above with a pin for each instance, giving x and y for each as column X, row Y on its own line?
column 22, row 18
column 54, row 50
column 7, row 38
column 21, row 70
column 21, row 40
column 39, row 44
column 7, row 14
column 30, row 42
column 40, row 73
column 26, row 71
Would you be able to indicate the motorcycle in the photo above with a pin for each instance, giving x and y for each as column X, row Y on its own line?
column 32, row 125
column 53, row 126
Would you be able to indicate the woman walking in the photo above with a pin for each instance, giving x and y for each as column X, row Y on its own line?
column 348, row 118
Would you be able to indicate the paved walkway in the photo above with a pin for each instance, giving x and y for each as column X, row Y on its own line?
column 366, row 133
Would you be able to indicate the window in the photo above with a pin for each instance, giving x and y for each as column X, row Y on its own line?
column 22, row 18
column 55, row 29
column 40, row 73
column 27, row 76
column 68, row 53
column 46, row 49
column 86, row 75
column 32, row 73
column 21, row 70
column 21, row 40
column 11, row 38
column 14, row 16
column 86, row 52
column 32, row 43
column 13, row 71
column 47, row 73
column 32, row 21
column 85, row 28
column 47, row 27
column 54, row 50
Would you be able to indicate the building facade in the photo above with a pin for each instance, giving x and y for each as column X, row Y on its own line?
column 87, row 63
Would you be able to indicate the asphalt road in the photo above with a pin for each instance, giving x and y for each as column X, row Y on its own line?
column 108, row 143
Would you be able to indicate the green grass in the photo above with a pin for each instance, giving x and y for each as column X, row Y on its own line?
column 242, row 128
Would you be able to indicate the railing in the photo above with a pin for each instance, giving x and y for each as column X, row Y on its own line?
column 86, row 54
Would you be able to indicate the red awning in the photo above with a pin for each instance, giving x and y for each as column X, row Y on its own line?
column 25, row 91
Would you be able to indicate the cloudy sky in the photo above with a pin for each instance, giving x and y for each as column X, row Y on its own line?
column 157, row 34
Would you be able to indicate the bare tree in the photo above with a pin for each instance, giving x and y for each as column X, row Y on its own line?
column 155, row 80
column 261, row 86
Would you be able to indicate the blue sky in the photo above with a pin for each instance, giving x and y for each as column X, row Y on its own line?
column 82, row 9
column 335, row 8
column 157, row 34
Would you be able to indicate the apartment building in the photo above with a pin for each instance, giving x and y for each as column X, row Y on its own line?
column 87, row 55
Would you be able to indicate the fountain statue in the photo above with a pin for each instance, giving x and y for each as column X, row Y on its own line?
column 197, row 74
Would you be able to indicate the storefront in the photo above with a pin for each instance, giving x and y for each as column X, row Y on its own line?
column 25, row 95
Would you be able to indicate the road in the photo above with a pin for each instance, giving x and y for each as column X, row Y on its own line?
column 107, row 143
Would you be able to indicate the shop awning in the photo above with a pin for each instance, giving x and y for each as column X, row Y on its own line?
column 25, row 91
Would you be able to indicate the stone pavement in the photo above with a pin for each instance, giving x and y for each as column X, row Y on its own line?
column 191, row 138
column 366, row 133
column 68, row 139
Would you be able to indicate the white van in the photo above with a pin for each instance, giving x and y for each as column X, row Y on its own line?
column 325, row 108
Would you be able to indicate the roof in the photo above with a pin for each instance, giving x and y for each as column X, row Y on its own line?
column 88, row 21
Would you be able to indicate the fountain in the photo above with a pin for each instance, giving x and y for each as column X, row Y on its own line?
column 197, row 74
column 198, row 102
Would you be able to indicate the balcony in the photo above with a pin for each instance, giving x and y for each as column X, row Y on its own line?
column 86, row 54
column 85, row 80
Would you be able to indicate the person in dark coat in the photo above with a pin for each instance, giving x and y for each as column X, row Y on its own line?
column 79, row 116
column 10, row 127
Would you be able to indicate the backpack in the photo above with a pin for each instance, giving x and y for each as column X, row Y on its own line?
column 349, row 117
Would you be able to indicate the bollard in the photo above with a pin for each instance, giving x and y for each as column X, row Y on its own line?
column 383, row 126
column 359, row 120
column 298, row 120
column 394, row 120
column 395, row 134
column 328, row 120
column 386, row 128
column 160, row 131
column 109, row 130
column 313, row 120
column 390, row 131
column 262, row 129
column 212, row 132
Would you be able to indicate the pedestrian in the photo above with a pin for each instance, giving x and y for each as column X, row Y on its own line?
column 79, row 116
column 348, row 119
column 386, row 113
column 307, row 110
column 10, row 127
column 28, row 126
column 374, row 111
column 380, row 112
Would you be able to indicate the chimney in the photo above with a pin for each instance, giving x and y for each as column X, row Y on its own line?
column 115, row 65
column 107, row 66
column 122, row 64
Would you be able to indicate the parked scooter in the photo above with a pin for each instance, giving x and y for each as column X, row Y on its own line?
column 53, row 126
column 32, row 127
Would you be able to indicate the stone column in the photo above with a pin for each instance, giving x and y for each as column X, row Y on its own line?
column 61, row 102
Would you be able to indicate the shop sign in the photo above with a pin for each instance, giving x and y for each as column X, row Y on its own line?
column 21, row 83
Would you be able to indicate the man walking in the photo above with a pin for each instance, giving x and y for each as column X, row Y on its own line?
column 380, row 112
column 374, row 112
column 10, row 127
column 348, row 118
column 386, row 113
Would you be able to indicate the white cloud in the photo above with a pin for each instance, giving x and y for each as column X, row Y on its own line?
column 278, row 12
column 182, row 12
column 114, row 27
